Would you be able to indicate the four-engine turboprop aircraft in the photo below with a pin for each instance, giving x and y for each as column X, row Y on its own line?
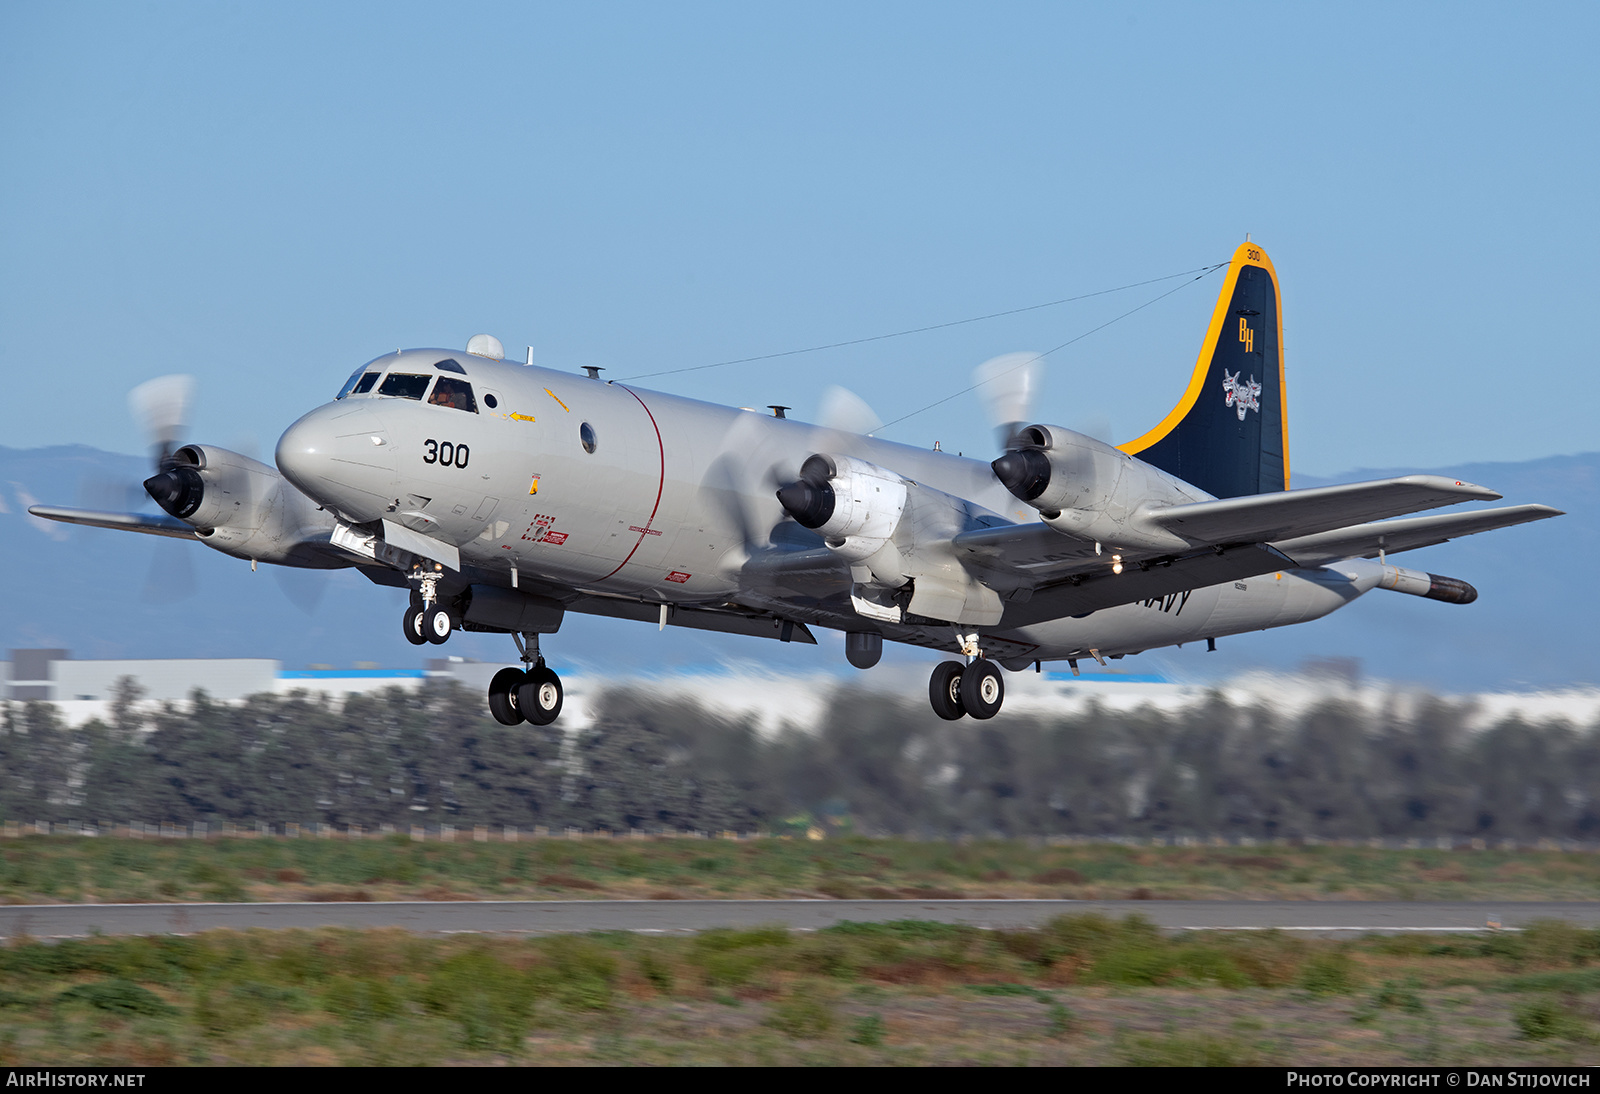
column 504, row 496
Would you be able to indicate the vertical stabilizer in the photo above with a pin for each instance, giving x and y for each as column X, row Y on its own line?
column 1229, row 435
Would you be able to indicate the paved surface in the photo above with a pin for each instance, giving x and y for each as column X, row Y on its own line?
column 555, row 916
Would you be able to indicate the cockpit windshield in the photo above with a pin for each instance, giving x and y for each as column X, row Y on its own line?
column 453, row 393
column 350, row 383
column 404, row 386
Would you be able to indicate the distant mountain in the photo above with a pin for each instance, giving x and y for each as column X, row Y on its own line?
column 113, row 594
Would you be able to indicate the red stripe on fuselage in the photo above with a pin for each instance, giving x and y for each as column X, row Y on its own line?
column 660, row 484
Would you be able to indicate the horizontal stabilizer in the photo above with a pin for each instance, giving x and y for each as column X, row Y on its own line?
column 151, row 524
column 1391, row 536
column 1258, row 518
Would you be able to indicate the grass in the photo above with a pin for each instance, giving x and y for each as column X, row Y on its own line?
column 111, row 869
column 1082, row 990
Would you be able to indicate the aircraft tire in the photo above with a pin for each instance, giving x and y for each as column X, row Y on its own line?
column 983, row 689
column 944, row 690
column 437, row 625
column 412, row 625
column 539, row 696
column 503, row 696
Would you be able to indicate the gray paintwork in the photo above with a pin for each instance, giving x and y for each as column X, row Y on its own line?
column 669, row 511
column 676, row 505
column 561, row 916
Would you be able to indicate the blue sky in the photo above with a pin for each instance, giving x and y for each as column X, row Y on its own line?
column 266, row 195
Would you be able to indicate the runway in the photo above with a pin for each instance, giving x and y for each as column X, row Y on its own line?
column 54, row 921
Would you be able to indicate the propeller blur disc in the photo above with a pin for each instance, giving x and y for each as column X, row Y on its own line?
column 1010, row 386
column 161, row 408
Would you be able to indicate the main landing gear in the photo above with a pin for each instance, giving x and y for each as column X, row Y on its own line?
column 526, row 695
column 976, row 688
column 426, row 619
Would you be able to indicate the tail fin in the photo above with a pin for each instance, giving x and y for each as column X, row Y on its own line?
column 1229, row 434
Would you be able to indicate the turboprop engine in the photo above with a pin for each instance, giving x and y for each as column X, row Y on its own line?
column 240, row 506
column 854, row 505
column 1087, row 488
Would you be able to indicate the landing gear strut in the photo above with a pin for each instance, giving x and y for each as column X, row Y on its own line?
column 533, row 694
column 427, row 620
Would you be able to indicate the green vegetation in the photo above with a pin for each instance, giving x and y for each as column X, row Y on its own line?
column 873, row 765
column 1082, row 989
column 119, row 869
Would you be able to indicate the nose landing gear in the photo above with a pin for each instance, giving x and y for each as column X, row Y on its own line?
column 427, row 620
column 533, row 694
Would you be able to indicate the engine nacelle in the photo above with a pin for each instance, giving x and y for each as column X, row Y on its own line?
column 242, row 507
column 854, row 505
column 1088, row 489
column 1052, row 468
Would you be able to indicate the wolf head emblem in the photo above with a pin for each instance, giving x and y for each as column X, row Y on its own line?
column 1242, row 395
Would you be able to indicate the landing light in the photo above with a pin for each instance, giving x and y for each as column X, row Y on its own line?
column 1116, row 564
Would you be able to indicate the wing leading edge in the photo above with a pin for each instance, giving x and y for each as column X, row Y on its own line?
column 151, row 524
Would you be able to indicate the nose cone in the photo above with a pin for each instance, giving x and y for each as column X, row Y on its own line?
column 340, row 456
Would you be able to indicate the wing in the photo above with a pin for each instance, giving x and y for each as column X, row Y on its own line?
column 1391, row 536
column 1258, row 518
column 151, row 524
column 1050, row 574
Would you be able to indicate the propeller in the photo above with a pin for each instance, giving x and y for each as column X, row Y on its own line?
column 843, row 411
column 1010, row 385
column 161, row 409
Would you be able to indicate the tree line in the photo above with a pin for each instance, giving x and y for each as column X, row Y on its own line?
column 872, row 765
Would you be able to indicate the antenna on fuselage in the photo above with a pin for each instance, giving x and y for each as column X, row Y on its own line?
column 594, row 371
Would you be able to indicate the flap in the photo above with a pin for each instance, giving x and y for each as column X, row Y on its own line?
column 1103, row 589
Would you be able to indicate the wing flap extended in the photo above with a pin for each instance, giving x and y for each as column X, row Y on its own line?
column 1257, row 518
column 1101, row 588
column 1392, row 536
column 151, row 524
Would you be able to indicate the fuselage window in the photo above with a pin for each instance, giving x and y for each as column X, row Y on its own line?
column 350, row 383
column 490, row 401
column 366, row 383
column 586, row 437
column 402, row 386
column 453, row 393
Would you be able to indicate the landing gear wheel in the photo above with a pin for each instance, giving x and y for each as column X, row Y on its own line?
column 982, row 689
column 437, row 624
column 412, row 625
column 539, row 696
column 944, row 690
column 503, row 696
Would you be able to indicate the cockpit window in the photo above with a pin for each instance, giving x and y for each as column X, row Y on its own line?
column 350, row 383
column 366, row 383
column 403, row 386
column 453, row 393
column 450, row 364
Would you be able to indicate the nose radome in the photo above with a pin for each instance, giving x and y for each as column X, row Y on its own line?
column 341, row 457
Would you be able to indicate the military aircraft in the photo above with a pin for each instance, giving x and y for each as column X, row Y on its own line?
column 503, row 496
